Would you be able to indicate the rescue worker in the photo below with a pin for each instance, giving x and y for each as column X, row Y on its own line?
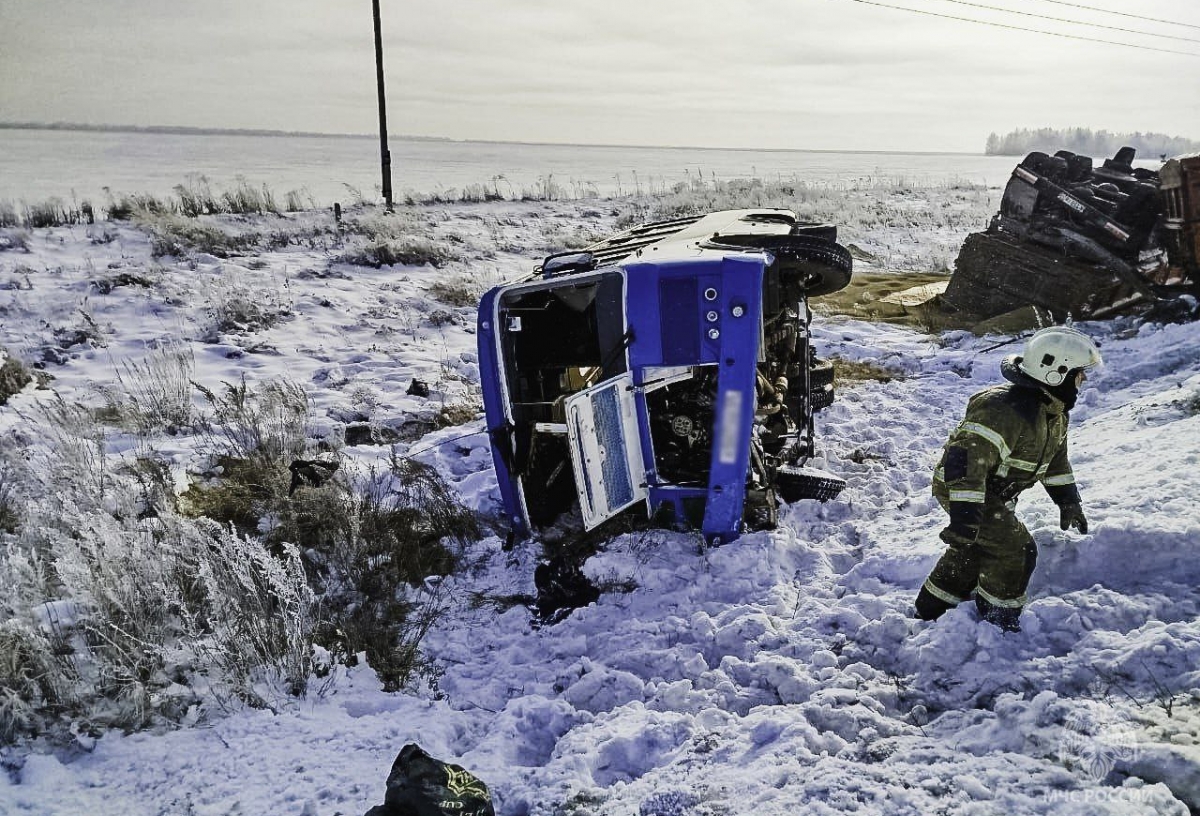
column 1012, row 436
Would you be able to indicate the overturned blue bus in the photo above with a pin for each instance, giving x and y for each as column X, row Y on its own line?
column 668, row 370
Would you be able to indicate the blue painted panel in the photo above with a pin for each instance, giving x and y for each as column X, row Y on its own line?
column 670, row 332
column 740, row 292
column 644, row 316
column 499, row 432
column 680, row 320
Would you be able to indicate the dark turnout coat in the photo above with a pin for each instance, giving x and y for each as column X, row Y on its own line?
column 1012, row 437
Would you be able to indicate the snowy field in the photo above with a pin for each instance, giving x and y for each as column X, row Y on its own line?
column 780, row 674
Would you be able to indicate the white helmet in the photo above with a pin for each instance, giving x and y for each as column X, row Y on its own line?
column 1050, row 354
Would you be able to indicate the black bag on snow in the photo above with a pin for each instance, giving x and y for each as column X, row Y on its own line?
column 419, row 785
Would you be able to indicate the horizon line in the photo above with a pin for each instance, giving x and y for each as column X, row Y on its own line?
column 193, row 130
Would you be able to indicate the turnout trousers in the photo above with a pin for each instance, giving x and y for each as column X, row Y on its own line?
column 996, row 568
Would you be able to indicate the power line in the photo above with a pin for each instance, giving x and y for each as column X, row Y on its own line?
column 1029, row 30
column 1072, row 22
column 1121, row 13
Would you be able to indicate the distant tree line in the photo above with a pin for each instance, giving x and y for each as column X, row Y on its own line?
column 1087, row 142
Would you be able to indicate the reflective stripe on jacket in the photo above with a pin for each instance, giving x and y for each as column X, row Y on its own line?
column 1011, row 437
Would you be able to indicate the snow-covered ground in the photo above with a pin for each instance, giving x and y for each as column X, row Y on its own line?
column 780, row 674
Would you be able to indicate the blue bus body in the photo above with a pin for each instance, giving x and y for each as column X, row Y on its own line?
column 632, row 373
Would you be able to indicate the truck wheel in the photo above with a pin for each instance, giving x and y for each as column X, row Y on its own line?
column 795, row 482
column 821, row 397
column 812, row 267
column 809, row 263
column 820, row 373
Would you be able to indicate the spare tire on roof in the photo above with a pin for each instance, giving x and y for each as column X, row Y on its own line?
column 812, row 266
column 809, row 265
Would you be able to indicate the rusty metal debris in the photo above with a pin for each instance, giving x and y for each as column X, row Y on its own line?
column 1084, row 242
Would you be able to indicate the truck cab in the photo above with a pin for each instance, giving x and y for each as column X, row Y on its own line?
column 665, row 370
column 1180, row 192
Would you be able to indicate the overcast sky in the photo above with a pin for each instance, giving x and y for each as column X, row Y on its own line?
column 805, row 74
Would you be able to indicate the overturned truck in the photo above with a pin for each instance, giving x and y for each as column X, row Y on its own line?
column 1080, row 241
column 668, row 368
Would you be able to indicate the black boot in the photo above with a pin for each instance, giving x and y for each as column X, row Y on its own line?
column 1006, row 617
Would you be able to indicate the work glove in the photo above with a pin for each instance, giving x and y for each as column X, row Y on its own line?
column 1071, row 515
column 958, row 535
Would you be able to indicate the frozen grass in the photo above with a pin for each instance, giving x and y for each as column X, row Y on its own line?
column 373, row 542
column 14, row 376
column 155, row 394
column 176, row 236
column 859, row 204
column 915, row 215
column 9, row 498
column 125, row 604
column 8, row 215
column 544, row 188
column 14, row 239
column 851, row 371
column 53, row 212
column 374, row 238
column 196, row 197
column 363, row 539
column 409, row 250
column 110, row 598
column 299, row 200
column 890, row 224
column 460, row 291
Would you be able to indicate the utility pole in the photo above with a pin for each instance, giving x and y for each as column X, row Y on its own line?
column 384, row 154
